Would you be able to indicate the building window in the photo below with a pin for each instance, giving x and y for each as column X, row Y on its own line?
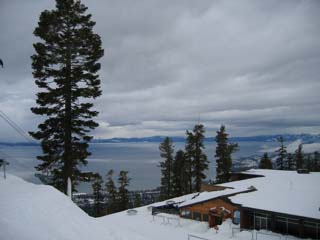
column 311, row 229
column 287, row 225
column 236, row 217
column 197, row 216
column 186, row 214
column 281, row 224
column 262, row 221
column 293, row 226
column 205, row 217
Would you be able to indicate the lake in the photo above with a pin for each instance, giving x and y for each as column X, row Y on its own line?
column 140, row 159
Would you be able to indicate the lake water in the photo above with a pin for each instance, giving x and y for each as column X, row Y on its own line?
column 140, row 159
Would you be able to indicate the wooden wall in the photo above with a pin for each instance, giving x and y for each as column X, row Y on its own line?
column 211, row 188
column 205, row 207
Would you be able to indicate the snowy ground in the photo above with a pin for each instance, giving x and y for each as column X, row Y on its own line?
column 38, row 212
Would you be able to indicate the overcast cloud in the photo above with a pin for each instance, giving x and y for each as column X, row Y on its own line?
column 252, row 65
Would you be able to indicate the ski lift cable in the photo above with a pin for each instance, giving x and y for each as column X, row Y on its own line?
column 16, row 127
column 6, row 116
column 12, row 123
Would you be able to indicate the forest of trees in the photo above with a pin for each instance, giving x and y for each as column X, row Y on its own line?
column 107, row 198
column 184, row 172
column 291, row 161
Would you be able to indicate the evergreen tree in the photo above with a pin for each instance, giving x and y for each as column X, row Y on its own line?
column 189, row 152
column 282, row 154
column 166, row 151
column 299, row 157
column 179, row 175
column 199, row 160
column 65, row 68
column 98, row 197
column 123, row 198
column 137, row 201
column 317, row 161
column 265, row 162
column 223, row 155
column 309, row 163
column 111, row 191
column 291, row 162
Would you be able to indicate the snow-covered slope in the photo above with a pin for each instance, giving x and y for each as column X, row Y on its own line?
column 38, row 212
column 29, row 211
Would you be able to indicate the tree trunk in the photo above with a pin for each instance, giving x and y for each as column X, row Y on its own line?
column 68, row 133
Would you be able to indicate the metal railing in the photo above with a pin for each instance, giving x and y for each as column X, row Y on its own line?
column 290, row 238
column 167, row 220
column 267, row 234
column 154, row 217
column 172, row 219
column 190, row 236
column 238, row 229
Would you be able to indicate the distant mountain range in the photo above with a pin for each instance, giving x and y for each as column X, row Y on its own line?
column 305, row 138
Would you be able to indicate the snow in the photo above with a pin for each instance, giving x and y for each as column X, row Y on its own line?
column 39, row 212
column 277, row 191
column 177, row 200
column 280, row 191
column 204, row 196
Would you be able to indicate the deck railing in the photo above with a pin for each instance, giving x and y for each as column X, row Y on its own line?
column 190, row 236
column 238, row 229
column 274, row 236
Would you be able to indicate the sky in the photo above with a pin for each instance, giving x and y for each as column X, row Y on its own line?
column 251, row 65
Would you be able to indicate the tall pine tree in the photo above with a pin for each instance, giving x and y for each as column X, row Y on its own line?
column 265, row 162
column 299, row 157
column 282, row 154
column 223, row 155
column 98, row 196
column 199, row 160
column 123, row 197
column 189, row 152
column 291, row 162
column 179, row 179
column 66, row 67
column 316, row 156
column 111, row 191
column 166, row 152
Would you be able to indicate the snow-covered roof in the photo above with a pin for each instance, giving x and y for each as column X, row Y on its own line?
column 277, row 191
column 205, row 196
column 177, row 200
column 280, row 191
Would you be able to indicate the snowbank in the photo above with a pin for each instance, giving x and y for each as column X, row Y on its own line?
column 29, row 211
column 39, row 212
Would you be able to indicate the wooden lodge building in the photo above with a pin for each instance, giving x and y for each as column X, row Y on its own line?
column 284, row 202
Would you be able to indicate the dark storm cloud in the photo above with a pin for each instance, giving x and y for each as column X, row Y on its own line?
column 253, row 65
